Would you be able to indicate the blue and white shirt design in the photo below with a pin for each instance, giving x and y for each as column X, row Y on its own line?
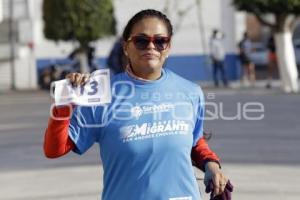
column 145, row 135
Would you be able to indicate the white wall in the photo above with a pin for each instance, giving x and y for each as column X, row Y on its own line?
column 24, row 59
column 228, row 25
column 5, row 75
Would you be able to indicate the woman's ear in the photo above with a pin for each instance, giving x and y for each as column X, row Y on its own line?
column 167, row 51
column 125, row 46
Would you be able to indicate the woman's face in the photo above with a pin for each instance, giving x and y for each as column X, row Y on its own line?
column 149, row 57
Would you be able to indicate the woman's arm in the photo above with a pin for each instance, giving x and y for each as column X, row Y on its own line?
column 201, row 154
column 57, row 142
column 206, row 160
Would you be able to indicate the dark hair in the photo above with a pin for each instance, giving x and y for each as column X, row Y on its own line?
column 145, row 14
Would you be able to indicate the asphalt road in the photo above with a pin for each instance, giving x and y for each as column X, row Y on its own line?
column 273, row 141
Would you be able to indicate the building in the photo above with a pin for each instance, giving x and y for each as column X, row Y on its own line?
column 31, row 51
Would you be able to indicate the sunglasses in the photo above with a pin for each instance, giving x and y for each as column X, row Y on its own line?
column 142, row 42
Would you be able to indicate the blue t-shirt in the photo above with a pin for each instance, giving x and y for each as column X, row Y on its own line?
column 145, row 135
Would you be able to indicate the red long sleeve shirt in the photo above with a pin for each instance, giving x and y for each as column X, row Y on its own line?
column 57, row 141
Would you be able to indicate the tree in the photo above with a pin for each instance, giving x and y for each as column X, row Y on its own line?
column 284, row 13
column 83, row 21
column 178, row 13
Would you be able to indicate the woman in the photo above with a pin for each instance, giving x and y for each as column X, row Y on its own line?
column 272, row 61
column 145, row 139
column 248, row 66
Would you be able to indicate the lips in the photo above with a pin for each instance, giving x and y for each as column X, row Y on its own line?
column 149, row 56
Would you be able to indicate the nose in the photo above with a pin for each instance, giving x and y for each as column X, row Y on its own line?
column 151, row 45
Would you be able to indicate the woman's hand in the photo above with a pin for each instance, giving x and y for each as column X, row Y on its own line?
column 214, row 173
column 77, row 79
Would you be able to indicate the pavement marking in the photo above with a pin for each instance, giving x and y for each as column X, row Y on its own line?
column 26, row 100
column 59, row 183
column 18, row 126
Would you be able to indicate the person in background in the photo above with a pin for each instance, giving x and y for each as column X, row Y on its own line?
column 217, row 55
column 147, row 143
column 272, row 61
column 116, row 60
column 248, row 67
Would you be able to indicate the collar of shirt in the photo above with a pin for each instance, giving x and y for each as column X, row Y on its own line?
column 128, row 69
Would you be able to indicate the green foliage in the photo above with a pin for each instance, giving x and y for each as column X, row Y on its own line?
column 80, row 20
column 269, row 6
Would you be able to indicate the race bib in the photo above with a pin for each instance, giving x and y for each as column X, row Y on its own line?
column 96, row 91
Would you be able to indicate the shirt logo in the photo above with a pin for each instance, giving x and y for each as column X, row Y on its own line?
column 154, row 129
column 138, row 111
